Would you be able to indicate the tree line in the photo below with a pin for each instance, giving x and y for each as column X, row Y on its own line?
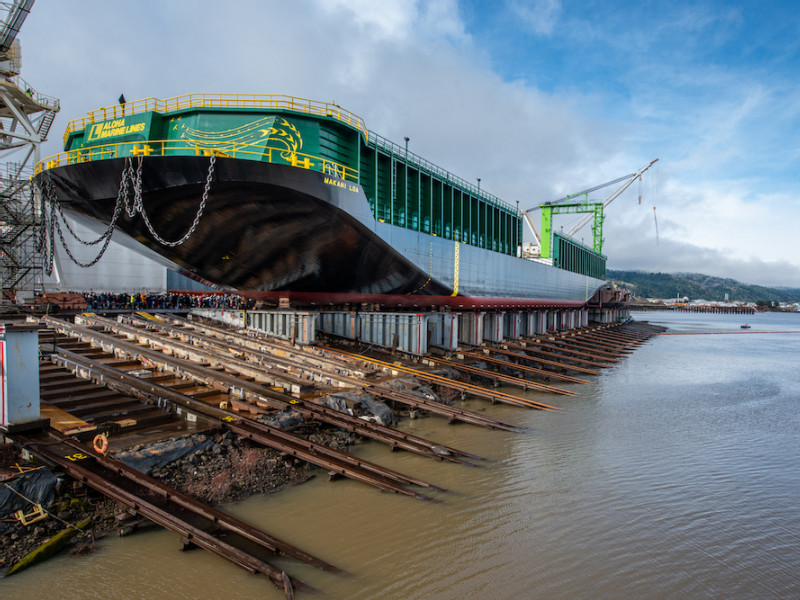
column 697, row 286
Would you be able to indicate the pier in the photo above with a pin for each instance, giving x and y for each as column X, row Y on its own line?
column 694, row 308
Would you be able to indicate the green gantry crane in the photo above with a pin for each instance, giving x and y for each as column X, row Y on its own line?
column 568, row 205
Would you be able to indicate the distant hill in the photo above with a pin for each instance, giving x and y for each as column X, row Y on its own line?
column 696, row 286
column 795, row 291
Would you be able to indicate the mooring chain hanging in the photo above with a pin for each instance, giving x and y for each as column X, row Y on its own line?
column 51, row 226
column 139, row 207
column 72, row 257
column 121, row 196
column 131, row 208
column 38, row 244
column 45, row 236
column 48, row 232
column 55, row 227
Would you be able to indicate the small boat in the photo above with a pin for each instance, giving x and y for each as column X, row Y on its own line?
column 745, row 326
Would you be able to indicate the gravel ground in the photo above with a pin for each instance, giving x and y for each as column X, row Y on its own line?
column 228, row 470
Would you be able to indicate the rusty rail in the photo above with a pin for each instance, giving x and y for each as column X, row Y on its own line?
column 556, row 350
column 452, row 413
column 384, row 392
column 395, row 439
column 485, row 355
column 525, row 384
column 468, row 388
column 167, row 506
column 587, row 345
column 257, row 342
column 287, row 443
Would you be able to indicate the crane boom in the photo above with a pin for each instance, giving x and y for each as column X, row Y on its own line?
column 628, row 179
column 10, row 26
column 567, row 204
column 594, row 189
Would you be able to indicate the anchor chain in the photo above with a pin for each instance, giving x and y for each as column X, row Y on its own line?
column 51, row 224
column 138, row 206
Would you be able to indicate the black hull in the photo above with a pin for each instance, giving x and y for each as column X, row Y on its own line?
column 266, row 227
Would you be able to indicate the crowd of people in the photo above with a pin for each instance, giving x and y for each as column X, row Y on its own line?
column 170, row 300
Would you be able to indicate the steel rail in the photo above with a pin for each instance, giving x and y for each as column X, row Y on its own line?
column 474, row 370
column 525, row 384
column 285, row 442
column 485, row 355
column 376, row 431
column 256, row 340
column 616, row 339
column 345, row 421
column 288, row 443
column 525, row 344
column 217, row 517
column 453, row 413
column 108, row 478
column 336, row 461
column 444, row 381
column 544, row 361
column 583, row 339
column 536, row 356
column 228, row 346
column 583, row 342
column 394, row 438
column 555, row 354
column 385, row 392
column 610, row 343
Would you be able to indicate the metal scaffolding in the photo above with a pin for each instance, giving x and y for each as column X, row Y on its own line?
column 25, row 120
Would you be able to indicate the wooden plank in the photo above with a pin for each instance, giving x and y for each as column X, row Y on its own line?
column 62, row 421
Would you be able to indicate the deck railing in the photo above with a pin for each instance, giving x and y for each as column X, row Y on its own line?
column 272, row 102
column 240, row 101
column 193, row 148
column 412, row 159
column 44, row 100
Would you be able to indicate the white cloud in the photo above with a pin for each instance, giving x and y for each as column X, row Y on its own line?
column 388, row 19
column 539, row 16
column 631, row 252
column 414, row 69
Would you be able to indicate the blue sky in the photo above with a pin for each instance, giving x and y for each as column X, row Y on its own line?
column 537, row 98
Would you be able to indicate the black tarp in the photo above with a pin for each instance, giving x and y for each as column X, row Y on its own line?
column 38, row 486
column 157, row 455
column 285, row 419
column 368, row 404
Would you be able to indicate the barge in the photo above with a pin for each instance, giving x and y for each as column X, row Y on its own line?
column 278, row 197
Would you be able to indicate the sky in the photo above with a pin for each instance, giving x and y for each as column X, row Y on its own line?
column 537, row 98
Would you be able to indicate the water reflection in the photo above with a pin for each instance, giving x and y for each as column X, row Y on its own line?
column 673, row 476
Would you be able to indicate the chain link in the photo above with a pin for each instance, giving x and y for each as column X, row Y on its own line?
column 44, row 238
column 109, row 230
column 132, row 208
column 91, row 263
column 51, row 224
column 193, row 227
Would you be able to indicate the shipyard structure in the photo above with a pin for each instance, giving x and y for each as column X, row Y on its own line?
column 26, row 116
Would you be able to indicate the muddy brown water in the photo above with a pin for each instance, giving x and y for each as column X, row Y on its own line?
column 675, row 475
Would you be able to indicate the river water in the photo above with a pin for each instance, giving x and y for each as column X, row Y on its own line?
column 676, row 474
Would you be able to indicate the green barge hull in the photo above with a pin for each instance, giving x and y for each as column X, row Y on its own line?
column 277, row 195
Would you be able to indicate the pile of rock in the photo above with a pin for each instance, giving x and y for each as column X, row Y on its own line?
column 231, row 468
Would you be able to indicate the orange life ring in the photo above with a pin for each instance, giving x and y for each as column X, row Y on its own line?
column 100, row 443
